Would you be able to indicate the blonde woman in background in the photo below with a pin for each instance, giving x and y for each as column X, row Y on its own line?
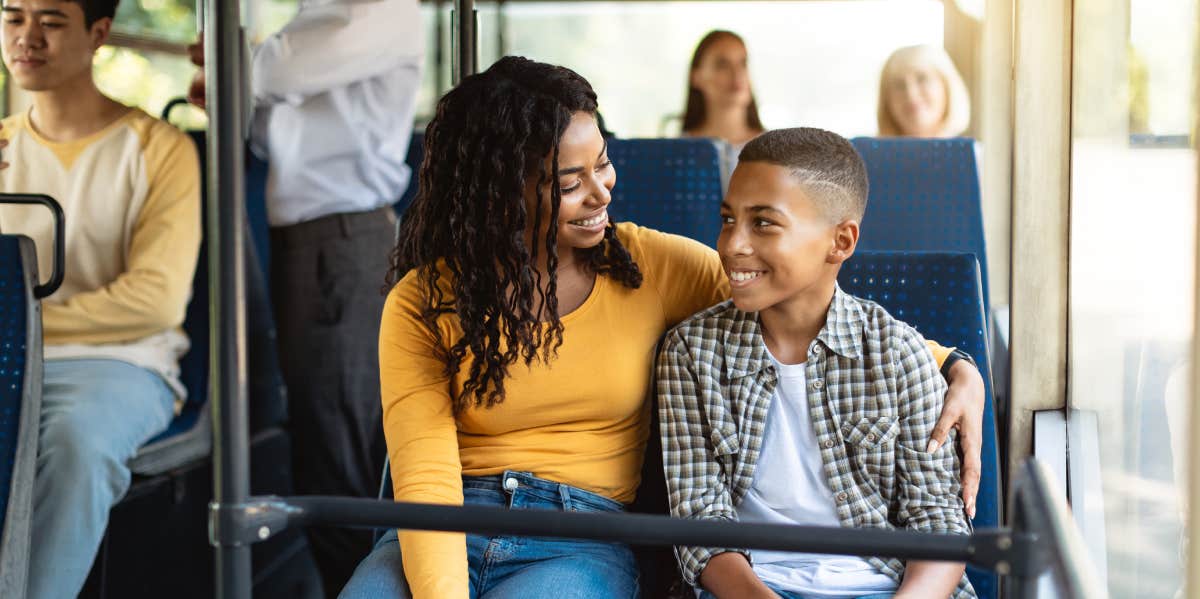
column 921, row 94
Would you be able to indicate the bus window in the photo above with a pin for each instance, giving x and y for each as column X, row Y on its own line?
column 146, row 79
column 1132, row 248
column 811, row 63
column 146, row 63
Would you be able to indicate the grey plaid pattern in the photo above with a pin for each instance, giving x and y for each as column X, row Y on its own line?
column 874, row 392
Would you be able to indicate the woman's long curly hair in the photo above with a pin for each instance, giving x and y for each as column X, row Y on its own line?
column 490, row 134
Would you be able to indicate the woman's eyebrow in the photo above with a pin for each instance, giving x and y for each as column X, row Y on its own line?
column 562, row 172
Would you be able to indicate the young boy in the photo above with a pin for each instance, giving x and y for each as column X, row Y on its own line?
column 129, row 186
column 795, row 403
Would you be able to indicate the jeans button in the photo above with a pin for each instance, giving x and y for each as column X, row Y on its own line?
column 511, row 484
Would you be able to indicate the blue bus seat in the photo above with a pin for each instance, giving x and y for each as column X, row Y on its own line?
column 189, row 437
column 941, row 294
column 672, row 185
column 924, row 197
column 20, row 407
column 156, row 541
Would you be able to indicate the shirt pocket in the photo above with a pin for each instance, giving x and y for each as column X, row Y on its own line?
column 871, row 445
column 871, row 432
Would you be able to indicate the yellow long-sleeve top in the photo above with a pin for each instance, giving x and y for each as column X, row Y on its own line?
column 131, row 197
column 582, row 420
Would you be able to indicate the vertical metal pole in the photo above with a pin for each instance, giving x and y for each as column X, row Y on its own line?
column 463, row 40
column 223, row 58
column 439, row 52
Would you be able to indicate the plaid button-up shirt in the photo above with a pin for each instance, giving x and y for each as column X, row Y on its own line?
column 874, row 394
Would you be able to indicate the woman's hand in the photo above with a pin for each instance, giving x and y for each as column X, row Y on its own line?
column 963, row 411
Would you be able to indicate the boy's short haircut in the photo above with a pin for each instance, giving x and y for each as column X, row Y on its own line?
column 823, row 162
column 94, row 10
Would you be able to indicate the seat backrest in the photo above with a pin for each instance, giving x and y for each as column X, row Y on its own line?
column 672, row 185
column 941, row 295
column 20, row 404
column 265, row 383
column 924, row 196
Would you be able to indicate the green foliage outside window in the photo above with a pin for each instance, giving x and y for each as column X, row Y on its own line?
column 173, row 20
column 147, row 80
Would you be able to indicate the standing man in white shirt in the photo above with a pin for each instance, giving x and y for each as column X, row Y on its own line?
column 334, row 100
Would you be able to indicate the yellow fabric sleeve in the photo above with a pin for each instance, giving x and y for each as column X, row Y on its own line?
column 152, row 294
column 686, row 274
column 422, row 440
column 939, row 353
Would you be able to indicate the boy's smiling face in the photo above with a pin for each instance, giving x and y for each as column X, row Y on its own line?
column 776, row 243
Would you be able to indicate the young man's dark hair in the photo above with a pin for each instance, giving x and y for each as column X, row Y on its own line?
column 823, row 162
column 94, row 10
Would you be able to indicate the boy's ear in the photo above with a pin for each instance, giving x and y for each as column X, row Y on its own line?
column 99, row 32
column 845, row 239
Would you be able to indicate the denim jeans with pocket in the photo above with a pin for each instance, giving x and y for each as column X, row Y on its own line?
column 506, row 566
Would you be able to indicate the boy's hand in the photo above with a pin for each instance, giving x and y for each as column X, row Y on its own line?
column 729, row 575
column 963, row 410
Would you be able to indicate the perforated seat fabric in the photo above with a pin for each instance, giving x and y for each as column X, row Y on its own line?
column 941, row 295
column 672, row 185
column 20, row 404
column 924, row 196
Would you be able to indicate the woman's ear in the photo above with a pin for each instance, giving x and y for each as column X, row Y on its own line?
column 845, row 239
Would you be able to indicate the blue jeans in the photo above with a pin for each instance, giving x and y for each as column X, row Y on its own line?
column 95, row 416
column 502, row 567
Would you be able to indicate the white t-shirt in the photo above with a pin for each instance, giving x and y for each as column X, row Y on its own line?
column 790, row 488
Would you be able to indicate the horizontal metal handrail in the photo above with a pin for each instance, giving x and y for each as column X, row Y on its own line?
column 1044, row 535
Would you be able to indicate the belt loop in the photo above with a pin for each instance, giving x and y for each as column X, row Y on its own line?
column 564, row 492
column 344, row 224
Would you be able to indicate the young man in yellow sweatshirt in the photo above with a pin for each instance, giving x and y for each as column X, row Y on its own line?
column 130, row 189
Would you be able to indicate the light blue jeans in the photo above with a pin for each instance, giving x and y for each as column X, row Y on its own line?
column 504, row 567
column 95, row 416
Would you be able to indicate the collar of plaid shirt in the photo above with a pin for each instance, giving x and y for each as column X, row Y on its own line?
column 842, row 334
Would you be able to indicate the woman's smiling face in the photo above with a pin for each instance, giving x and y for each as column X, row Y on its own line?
column 585, row 181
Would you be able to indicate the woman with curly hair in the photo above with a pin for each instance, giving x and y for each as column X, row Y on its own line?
column 517, row 341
